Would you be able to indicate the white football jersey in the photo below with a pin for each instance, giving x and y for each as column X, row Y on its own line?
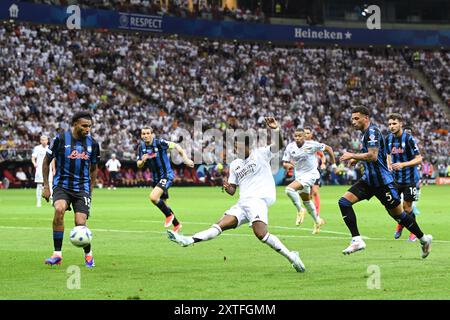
column 39, row 153
column 113, row 165
column 254, row 175
column 304, row 158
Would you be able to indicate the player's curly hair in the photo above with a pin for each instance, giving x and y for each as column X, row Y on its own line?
column 81, row 115
column 362, row 110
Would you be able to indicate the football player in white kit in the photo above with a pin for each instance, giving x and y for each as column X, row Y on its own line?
column 257, row 192
column 37, row 159
column 301, row 155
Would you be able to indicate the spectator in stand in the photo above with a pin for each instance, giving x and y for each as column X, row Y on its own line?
column 140, row 178
column 147, row 177
column 129, row 178
column 101, row 178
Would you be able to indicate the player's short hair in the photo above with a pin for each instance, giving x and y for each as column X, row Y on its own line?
column 300, row 129
column 146, row 128
column 362, row 110
column 395, row 116
column 308, row 128
column 81, row 115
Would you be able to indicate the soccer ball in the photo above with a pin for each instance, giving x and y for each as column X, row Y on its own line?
column 80, row 236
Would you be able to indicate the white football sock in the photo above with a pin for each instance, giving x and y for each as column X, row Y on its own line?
column 291, row 193
column 39, row 189
column 275, row 243
column 309, row 205
column 208, row 234
column 57, row 253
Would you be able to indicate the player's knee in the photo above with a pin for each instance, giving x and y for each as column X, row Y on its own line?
column 260, row 230
column 343, row 202
column 59, row 210
column 290, row 191
column 260, row 234
column 407, row 207
column 154, row 198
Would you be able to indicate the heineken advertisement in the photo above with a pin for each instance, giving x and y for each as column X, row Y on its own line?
column 75, row 17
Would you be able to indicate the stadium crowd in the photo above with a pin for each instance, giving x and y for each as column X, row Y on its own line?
column 129, row 80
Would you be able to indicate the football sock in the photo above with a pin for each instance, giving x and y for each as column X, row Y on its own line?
column 309, row 205
column 317, row 203
column 291, row 193
column 410, row 223
column 167, row 211
column 58, row 239
column 87, row 250
column 39, row 188
column 275, row 243
column 207, row 234
column 348, row 214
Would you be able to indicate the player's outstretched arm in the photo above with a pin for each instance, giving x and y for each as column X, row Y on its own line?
column 414, row 162
column 183, row 154
column 273, row 124
column 330, row 151
column 45, row 173
column 370, row 156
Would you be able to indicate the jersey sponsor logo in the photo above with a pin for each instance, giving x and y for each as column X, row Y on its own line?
column 396, row 150
column 250, row 169
column 77, row 155
column 151, row 155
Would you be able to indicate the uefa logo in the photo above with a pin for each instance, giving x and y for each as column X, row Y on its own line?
column 123, row 21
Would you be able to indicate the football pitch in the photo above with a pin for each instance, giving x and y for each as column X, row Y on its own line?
column 135, row 260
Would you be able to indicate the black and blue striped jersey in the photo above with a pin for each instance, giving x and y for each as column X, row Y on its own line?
column 158, row 162
column 376, row 173
column 403, row 149
column 73, row 160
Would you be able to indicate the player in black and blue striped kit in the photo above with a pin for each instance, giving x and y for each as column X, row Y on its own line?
column 403, row 158
column 377, row 181
column 76, row 155
column 153, row 152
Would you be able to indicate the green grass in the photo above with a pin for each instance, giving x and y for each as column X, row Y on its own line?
column 135, row 260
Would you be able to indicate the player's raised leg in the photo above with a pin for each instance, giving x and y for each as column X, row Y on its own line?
column 227, row 222
column 261, row 232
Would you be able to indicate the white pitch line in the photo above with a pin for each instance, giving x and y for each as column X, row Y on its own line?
column 321, row 237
